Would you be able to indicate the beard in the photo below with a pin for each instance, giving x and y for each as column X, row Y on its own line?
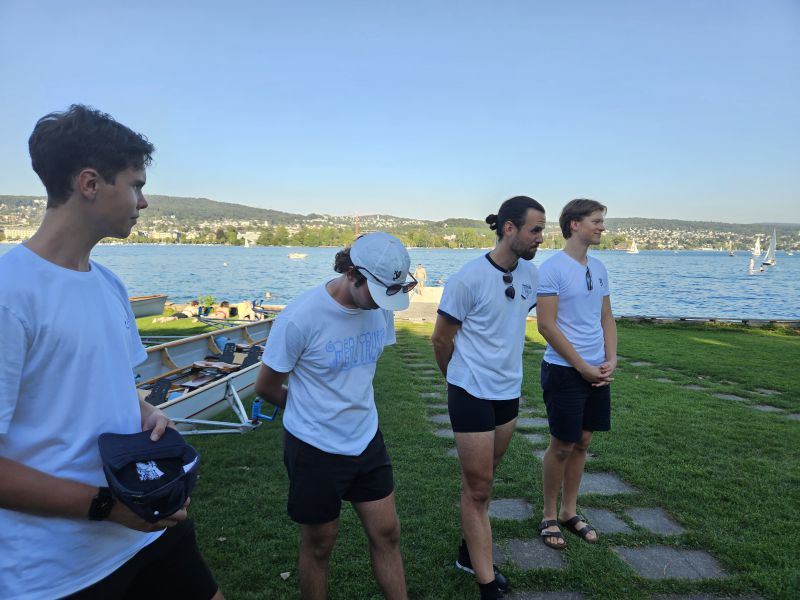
column 523, row 252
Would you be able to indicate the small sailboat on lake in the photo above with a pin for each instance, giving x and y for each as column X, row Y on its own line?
column 769, row 257
column 757, row 247
column 633, row 249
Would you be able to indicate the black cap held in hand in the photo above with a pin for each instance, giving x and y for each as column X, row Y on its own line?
column 153, row 479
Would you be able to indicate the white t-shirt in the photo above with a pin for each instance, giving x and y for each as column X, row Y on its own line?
column 69, row 343
column 579, row 309
column 330, row 353
column 487, row 359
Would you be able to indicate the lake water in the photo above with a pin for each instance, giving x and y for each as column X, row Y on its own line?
column 652, row 283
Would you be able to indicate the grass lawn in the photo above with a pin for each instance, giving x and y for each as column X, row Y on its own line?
column 183, row 327
column 730, row 475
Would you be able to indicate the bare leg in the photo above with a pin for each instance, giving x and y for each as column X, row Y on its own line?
column 316, row 544
column 573, row 472
column 479, row 454
column 553, row 468
column 382, row 527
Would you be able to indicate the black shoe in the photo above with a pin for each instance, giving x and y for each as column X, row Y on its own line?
column 465, row 564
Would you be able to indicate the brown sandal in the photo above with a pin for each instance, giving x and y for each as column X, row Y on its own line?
column 570, row 525
column 552, row 534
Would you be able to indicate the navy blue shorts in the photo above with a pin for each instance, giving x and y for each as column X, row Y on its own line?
column 170, row 567
column 319, row 480
column 573, row 405
column 469, row 414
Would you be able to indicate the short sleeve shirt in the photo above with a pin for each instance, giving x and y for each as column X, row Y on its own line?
column 487, row 359
column 330, row 353
column 579, row 308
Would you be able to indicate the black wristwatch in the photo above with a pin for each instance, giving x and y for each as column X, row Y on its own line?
column 101, row 505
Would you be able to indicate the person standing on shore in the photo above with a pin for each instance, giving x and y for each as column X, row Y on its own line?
column 421, row 275
column 574, row 317
column 328, row 342
column 478, row 341
column 69, row 344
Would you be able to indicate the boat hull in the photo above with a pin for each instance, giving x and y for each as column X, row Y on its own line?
column 148, row 306
column 209, row 400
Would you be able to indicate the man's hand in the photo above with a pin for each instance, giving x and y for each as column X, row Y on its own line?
column 126, row 517
column 606, row 372
column 154, row 419
column 597, row 376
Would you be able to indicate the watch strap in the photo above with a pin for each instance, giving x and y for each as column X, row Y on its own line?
column 101, row 505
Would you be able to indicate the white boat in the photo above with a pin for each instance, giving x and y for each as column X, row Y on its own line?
column 769, row 257
column 757, row 247
column 633, row 249
column 730, row 248
column 197, row 389
column 147, row 306
column 297, row 255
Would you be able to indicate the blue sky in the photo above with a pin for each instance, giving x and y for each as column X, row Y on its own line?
column 686, row 109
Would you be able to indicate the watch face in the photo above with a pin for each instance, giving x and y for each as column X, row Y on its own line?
column 101, row 506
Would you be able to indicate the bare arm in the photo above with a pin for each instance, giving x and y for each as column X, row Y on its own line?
column 546, row 313
column 28, row 490
column 609, row 338
column 269, row 386
column 443, row 339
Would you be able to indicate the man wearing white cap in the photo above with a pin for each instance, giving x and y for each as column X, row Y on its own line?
column 327, row 342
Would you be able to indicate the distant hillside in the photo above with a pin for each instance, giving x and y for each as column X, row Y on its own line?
column 203, row 209
column 189, row 212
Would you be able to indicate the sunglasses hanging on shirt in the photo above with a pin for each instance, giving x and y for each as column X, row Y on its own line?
column 508, row 279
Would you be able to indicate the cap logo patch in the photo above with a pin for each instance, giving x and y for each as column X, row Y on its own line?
column 397, row 274
column 148, row 471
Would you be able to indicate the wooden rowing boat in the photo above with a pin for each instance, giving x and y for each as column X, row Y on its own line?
column 147, row 306
column 194, row 382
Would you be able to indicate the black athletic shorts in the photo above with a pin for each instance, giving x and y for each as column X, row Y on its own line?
column 469, row 414
column 169, row 568
column 573, row 405
column 319, row 481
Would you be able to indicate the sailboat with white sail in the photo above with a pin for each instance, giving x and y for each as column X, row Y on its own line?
column 757, row 247
column 633, row 249
column 769, row 257
column 730, row 248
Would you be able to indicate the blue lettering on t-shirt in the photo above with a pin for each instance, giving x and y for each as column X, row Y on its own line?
column 350, row 352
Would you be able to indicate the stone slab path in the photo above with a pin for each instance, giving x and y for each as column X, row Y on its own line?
column 530, row 554
column 604, row 520
column 510, row 509
column 665, row 562
column 654, row 520
column 605, row 484
column 532, row 422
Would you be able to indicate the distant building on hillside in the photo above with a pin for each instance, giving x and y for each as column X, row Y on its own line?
column 18, row 232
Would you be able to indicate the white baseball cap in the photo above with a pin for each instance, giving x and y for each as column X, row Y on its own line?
column 384, row 261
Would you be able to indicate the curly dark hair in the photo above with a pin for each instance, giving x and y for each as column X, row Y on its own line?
column 63, row 143
column 576, row 210
column 342, row 263
column 515, row 210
